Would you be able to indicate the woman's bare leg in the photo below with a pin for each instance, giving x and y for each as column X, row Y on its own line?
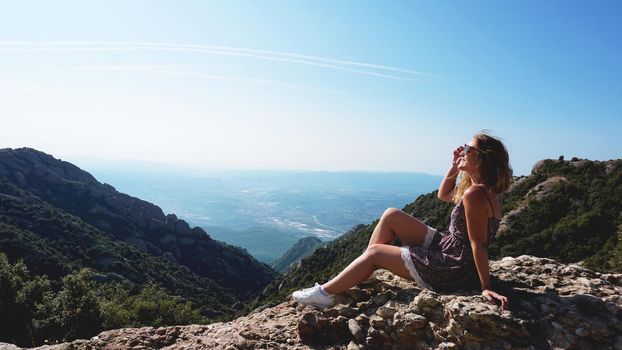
column 394, row 223
column 376, row 256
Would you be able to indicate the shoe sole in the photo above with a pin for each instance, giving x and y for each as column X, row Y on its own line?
column 323, row 306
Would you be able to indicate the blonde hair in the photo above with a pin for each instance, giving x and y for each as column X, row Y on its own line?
column 495, row 169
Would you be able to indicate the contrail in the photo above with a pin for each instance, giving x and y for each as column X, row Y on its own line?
column 245, row 80
column 185, row 73
column 350, row 66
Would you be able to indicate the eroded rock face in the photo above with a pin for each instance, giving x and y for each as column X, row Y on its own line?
column 552, row 306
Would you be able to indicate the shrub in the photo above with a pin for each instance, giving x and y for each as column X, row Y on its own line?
column 21, row 297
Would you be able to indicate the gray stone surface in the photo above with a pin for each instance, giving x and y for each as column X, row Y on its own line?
column 582, row 311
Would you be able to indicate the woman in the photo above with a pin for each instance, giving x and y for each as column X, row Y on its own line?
column 443, row 261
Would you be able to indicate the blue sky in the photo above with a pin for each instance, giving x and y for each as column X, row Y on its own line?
column 317, row 85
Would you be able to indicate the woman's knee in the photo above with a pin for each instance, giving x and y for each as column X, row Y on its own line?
column 390, row 212
column 374, row 252
column 382, row 255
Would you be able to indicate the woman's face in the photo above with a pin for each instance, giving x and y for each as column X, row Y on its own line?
column 469, row 160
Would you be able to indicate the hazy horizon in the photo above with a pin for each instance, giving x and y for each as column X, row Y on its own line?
column 87, row 162
column 267, row 211
column 141, row 165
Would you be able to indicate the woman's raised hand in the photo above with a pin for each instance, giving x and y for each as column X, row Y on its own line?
column 457, row 155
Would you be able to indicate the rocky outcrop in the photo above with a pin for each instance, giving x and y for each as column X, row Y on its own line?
column 552, row 306
column 536, row 193
column 134, row 221
column 75, row 190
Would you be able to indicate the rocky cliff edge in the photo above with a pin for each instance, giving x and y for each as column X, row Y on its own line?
column 552, row 306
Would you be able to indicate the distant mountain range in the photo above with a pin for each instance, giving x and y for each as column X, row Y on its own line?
column 58, row 218
column 266, row 211
column 568, row 210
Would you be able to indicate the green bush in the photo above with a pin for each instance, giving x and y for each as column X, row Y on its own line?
column 152, row 306
column 21, row 297
column 31, row 313
column 77, row 308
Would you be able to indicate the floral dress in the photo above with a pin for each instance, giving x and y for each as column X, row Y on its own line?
column 445, row 261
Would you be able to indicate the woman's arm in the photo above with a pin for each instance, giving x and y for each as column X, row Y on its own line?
column 477, row 226
column 446, row 189
column 448, row 185
column 480, row 256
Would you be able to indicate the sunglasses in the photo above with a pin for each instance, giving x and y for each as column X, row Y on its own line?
column 467, row 148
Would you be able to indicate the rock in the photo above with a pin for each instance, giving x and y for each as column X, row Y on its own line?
column 380, row 299
column 377, row 338
column 317, row 329
column 357, row 331
column 307, row 324
column 387, row 310
column 354, row 294
column 6, row 346
column 427, row 299
column 363, row 320
column 536, row 167
column 377, row 322
column 409, row 323
column 422, row 319
column 447, row 346
column 352, row 346
column 346, row 311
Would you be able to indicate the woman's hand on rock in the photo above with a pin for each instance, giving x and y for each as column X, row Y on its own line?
column 495, row 298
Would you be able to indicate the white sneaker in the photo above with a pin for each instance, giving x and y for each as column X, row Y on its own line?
column 314, row 296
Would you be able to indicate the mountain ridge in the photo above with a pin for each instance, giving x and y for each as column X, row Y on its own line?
column 59, row 220
column 130, row 219
column 299, row 250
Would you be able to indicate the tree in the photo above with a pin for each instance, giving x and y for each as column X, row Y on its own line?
column 21, row 296
column 76, row 309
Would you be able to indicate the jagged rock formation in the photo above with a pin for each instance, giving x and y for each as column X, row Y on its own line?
column 552, row 306
column 299, row 250
column 59, row 218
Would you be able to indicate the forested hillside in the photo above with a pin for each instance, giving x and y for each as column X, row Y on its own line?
column 66, row 239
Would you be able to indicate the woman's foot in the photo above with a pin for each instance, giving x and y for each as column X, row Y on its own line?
column 314, row 296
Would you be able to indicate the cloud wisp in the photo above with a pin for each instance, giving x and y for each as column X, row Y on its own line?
column 375, row 70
